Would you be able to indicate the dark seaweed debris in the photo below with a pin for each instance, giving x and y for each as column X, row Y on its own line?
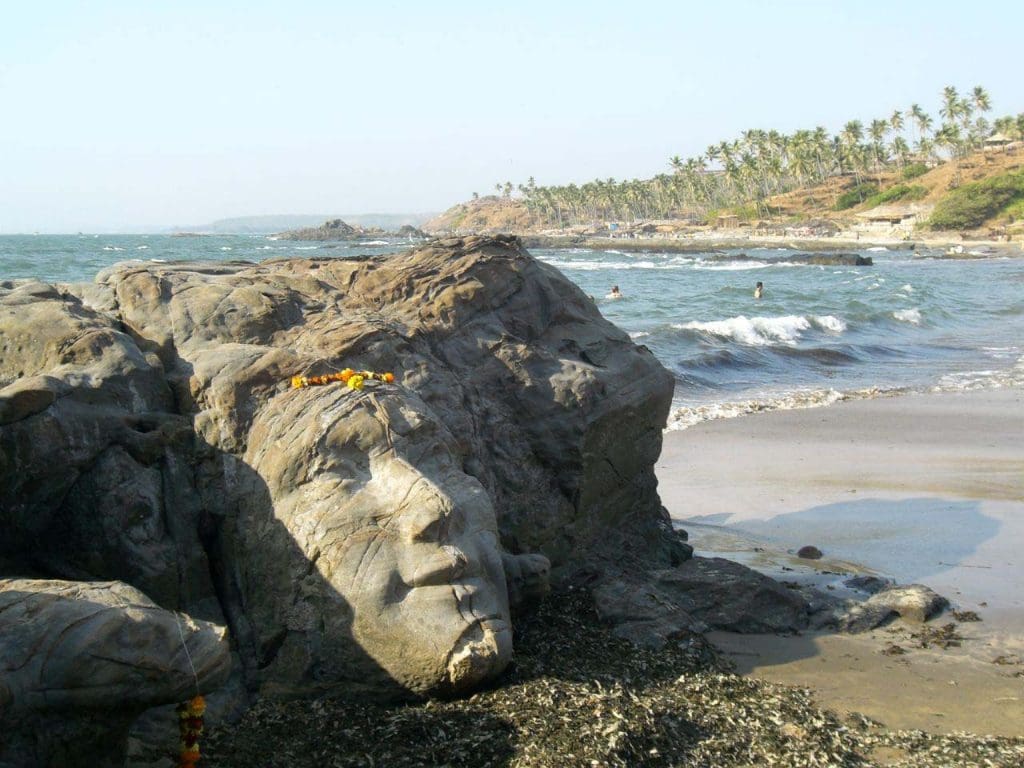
column 579, row 696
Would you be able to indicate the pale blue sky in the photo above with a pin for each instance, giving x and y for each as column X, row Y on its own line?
column 124, row 114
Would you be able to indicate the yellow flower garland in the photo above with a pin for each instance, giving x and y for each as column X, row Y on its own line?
column 190, row 728
column 353, row 379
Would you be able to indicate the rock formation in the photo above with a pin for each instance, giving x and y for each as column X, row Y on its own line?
column 336, row 229
column 80, row 661
column 365, row 542
column 332, row 229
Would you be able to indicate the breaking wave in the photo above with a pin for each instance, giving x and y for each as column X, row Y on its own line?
column 912, row 316
column 765, row 331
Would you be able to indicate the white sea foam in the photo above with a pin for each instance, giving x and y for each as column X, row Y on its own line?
column 686, row 416
column 830, row 323
column 732, row 266
column 638, row 334
column 877, row 248
column 615, row 266
column 912, row 316
column 908, row 288
column 1001, row 353
column 112, row 248
column 764, row 331
column 141, row 247
column 963, row 381
column 226, row 248
column 375, row 242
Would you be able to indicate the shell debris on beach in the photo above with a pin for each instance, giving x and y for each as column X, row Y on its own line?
column 579, row 696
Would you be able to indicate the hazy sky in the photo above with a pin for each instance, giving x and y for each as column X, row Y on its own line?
column 123, row 114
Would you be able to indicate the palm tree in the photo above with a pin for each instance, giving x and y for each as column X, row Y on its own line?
column 900, row 150
column 950, row 104
column 922, row 121
column 981, row 99
column 877, row 132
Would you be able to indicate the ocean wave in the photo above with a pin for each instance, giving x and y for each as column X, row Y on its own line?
column 1001, row 353
column 374, row 242
column 912, row 316
column 966, row 381
column 829, row 356
column 591, row 266
column 112, row 248
column 731, row 266
column 141, row 247
column 764, row 331
column 639, row 334
column 686, row 416
column 226, row 248
column 721, row 358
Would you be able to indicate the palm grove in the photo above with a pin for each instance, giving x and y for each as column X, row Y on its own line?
column 743, row 174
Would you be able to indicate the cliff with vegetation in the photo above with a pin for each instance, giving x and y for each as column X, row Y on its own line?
column 766, row 179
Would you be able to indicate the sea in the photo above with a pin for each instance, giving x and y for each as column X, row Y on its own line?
column 913, row 321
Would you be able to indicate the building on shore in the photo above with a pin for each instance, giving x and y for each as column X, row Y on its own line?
column 892, row 219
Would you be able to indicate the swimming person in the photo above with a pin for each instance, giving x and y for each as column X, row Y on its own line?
column 615, row 293
column 759, row 290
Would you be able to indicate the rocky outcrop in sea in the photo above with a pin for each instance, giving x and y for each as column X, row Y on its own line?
column 338, row 230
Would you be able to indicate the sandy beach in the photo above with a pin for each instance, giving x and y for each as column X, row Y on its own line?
column 920, row 488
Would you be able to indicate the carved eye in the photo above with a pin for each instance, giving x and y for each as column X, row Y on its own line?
column 435, row 531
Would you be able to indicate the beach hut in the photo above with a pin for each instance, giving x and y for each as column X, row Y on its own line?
column 898, row 218
column 998, row 141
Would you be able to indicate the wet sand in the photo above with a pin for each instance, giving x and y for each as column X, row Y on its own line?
column 920, row 488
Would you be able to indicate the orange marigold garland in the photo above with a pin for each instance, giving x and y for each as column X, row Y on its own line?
column 190, row 727
column 353, row 379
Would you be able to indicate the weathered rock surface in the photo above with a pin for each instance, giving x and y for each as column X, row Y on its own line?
column 73, row 654
column 353, row 541
column 699, row 594
column 913, row 602
column 730, row 596
column 869, row 584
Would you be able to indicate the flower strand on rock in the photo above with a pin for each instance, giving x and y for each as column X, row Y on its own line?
column 353, row 379
column 190, row 728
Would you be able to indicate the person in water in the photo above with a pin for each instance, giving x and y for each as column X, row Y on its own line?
column 615, row 293
column 759, row 290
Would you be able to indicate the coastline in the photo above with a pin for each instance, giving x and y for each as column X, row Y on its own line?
column 925, row 488
column 733, row 239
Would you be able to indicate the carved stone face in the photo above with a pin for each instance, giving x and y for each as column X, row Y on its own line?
column 406, row 542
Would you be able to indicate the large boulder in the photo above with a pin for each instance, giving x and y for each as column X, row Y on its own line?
column 354, row 541
column 78, row 663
